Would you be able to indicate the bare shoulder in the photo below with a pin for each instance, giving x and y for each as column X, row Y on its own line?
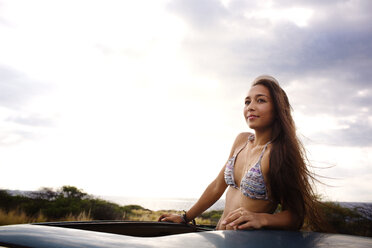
column 240, row 140
column 265, row 162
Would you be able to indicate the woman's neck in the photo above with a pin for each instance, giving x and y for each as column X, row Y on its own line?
column 262, row 137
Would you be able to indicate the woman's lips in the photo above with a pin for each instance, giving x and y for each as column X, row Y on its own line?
column 252, row 117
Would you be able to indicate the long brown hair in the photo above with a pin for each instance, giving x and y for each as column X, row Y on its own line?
column 291, row 182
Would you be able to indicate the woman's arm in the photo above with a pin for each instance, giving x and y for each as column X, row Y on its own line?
column 281, row 220
column 244, row 219
column 211, row 194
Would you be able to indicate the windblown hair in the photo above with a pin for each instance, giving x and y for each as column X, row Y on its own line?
column 291, row 182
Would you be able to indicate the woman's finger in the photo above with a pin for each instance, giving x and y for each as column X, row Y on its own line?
column 238, row 221
column 167, row 219
column 246, row 225
column 228, row 227
column 245, row 216
column 251, row 221
column 231, row 217
column 222, row 227
column 164, row 219
column 163, row 216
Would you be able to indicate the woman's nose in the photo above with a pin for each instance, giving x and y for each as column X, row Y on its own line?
column 251, row 106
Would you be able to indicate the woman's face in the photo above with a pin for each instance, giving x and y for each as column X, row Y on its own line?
column 259, row 109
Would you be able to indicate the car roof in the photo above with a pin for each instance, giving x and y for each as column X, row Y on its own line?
column 27, row 235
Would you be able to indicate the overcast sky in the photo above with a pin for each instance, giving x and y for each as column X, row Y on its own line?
column 145, row 98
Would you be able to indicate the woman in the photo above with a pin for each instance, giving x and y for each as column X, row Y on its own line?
column 264, row 169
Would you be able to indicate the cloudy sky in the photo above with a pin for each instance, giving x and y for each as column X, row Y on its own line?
column 145, row 98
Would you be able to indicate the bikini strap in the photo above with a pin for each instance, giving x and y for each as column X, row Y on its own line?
column 250, row 138
column 241, row 148
column 263, row 151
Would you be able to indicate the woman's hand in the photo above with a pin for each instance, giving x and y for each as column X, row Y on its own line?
column 242, row 219
column 171, row 218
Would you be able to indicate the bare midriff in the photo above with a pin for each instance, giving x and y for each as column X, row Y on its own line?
column 235, row 199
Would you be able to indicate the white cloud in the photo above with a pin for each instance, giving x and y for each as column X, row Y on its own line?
column 345, row 172
column 309, row 124
column 296, row 15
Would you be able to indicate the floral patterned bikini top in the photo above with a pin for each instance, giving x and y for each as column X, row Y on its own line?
column 252, row 183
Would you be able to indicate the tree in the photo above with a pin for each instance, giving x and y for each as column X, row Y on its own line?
column 45, row 193
column 72, row 192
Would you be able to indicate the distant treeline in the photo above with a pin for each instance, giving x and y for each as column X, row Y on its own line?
column 70, row 203
column 347, row 220
column 61, row 203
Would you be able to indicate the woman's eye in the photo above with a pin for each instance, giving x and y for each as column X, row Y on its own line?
column 247, row 102
column 260, row 100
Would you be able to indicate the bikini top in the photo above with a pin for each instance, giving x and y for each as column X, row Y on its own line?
column 252, row 184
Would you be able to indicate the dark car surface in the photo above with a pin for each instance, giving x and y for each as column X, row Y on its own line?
column 155, row 234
